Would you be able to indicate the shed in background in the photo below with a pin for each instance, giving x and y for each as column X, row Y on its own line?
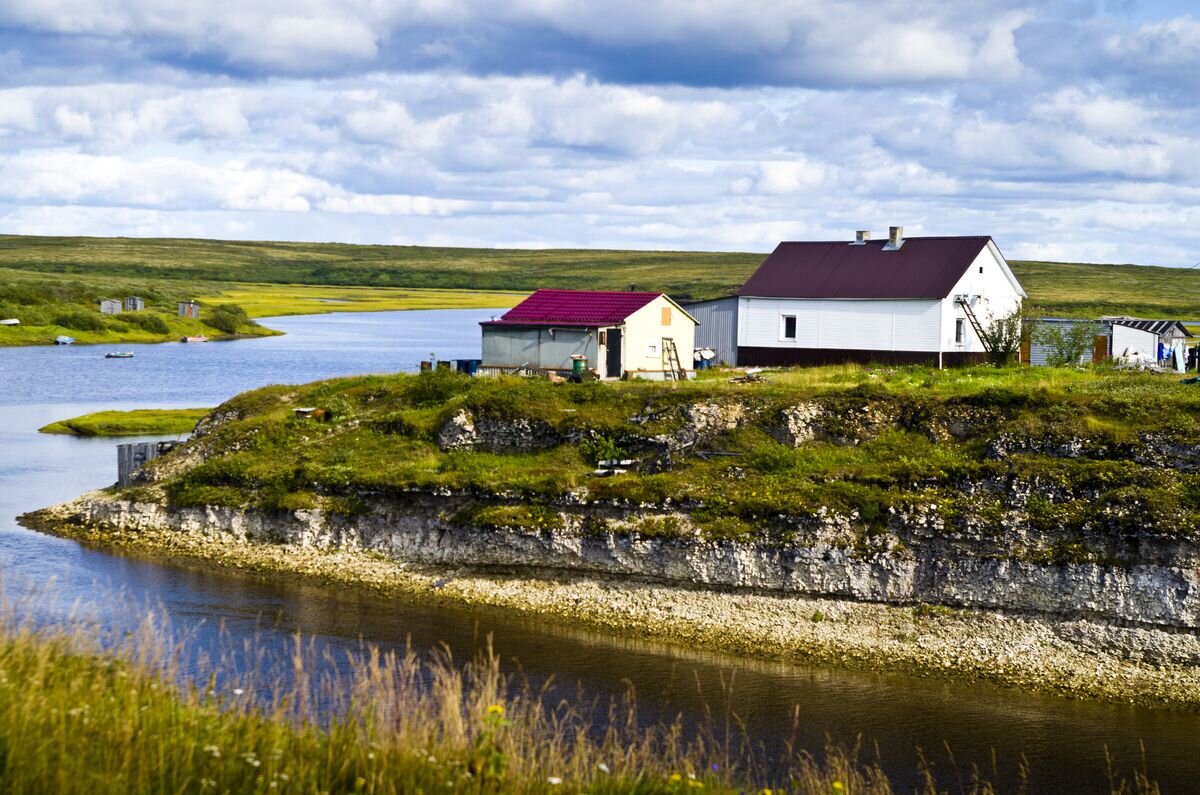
column 718, row 326
column 189, row 309
column 108, row 306
column 134, row 304
column 1039, row 352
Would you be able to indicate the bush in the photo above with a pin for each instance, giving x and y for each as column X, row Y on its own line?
column 228, row 318
column 148, row 322
column 80, row 320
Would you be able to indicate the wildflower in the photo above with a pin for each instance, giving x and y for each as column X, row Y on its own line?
column 555, row 780
column 696, row 784
column 496, row 709
column 237, row 691
column 213, row 751
column 603, row 768
column 675, row 778
column 838, row 786
column 370, row 755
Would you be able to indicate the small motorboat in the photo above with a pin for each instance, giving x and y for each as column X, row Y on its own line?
column 63, row 339
column 197, row 338
column 119, row 355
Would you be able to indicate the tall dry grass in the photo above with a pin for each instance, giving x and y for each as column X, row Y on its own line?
column 83, row 710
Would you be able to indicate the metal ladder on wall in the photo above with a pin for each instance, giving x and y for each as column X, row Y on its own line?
column 670, row 360
column 974, row 321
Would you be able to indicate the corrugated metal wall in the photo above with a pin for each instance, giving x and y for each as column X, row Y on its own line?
column 537, row 347
column 718, row 326
column 1039, row 352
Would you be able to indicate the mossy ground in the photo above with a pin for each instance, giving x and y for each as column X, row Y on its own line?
column 140, row 422
column 884, row 446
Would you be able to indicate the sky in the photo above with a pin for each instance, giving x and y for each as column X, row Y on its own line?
column 1065, row 129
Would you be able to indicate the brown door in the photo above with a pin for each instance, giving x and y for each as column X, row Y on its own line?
column 1099, row 348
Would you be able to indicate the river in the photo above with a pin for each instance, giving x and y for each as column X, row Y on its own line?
column 1063, row 742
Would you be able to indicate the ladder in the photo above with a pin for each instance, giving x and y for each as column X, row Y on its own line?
column 672, row 367
column 974, row 321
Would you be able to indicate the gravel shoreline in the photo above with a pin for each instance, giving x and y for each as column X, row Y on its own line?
column 1075, row 658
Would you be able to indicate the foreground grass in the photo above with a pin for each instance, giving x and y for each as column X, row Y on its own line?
column 81, row 712
column 140, row 422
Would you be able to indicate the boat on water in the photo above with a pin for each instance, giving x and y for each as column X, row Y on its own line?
column 64, row 340
column 119, row 355
column 197, row 338
column 11, row 321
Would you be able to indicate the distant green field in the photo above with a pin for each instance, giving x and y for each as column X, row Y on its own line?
column 200, row 267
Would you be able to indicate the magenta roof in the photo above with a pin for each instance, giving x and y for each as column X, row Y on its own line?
column 574, row 308
column 923, row 267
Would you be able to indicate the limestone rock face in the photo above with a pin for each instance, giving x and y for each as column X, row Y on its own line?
column 1150, row 581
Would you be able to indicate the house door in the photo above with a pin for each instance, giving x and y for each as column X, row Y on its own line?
column 612, row 367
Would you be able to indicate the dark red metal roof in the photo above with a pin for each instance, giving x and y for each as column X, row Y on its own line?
column 923, row 267
column 574, row 308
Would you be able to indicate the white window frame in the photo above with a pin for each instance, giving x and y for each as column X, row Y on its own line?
column 783, row 336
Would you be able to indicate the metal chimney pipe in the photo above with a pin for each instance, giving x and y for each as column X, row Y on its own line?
column 861, row 237
column 895, row 238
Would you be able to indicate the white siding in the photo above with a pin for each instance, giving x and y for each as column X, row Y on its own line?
column 1128, row 341
column 858, row 324
column 993, row 296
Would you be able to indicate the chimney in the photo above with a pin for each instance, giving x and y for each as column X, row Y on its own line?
column 861, row 237
column 895, row 238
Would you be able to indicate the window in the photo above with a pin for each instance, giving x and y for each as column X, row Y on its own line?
column 604, row 336
column 960, row 331
column 981, row 269
column 788, row 332
column 666, row 315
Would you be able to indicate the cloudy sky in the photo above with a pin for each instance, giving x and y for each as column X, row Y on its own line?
column 1066, row 129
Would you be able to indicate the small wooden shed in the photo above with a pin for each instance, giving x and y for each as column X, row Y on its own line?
column 189, row 309
column 134, row 303
column 109, row 306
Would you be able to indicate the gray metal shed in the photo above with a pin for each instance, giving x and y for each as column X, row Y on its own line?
column 718, row 326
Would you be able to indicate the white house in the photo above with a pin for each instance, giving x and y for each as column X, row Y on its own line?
column 617, row 334
column 901, row 300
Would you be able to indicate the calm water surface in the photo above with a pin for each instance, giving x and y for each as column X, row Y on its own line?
column 1063, row 742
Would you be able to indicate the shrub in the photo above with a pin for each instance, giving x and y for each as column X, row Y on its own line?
column 228, row 318
column 80, row 320
column 147, row 321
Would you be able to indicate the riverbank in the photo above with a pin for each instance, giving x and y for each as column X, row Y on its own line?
column 1073, row 657
column 50, row 305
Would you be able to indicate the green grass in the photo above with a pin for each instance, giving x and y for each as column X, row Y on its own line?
column 85, row 712
column 1054, row 288
column 140, row 422
column 887, row 437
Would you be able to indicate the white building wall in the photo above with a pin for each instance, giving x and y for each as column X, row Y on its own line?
column 850, row 324
column 644, row 332
column 993, row 296
column 1132, row 342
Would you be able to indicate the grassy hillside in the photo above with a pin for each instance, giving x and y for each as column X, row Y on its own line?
column 896, row 437
column 203, row 265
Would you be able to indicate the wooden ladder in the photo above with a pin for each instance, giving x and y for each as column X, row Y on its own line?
column 974, row 321
column 670, row 360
